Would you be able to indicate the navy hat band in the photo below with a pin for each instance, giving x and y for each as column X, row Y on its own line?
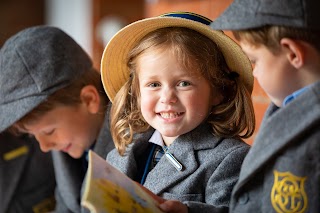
column 190, row 16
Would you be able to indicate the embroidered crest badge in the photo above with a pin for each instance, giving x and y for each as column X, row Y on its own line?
column 288, row 193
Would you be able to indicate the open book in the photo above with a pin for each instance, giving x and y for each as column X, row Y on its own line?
column 109, row 190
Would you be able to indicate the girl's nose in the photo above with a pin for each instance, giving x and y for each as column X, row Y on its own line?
column 168, row 96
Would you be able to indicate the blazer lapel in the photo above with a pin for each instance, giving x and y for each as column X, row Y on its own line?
column 69, row 176
column 165, row 175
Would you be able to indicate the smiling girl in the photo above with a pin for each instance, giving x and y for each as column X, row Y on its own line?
column 181, row 103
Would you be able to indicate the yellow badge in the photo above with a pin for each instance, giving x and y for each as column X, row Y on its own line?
column 15, row 153
column 288, row 193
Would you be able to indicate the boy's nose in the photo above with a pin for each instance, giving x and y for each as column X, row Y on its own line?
column 45, row 145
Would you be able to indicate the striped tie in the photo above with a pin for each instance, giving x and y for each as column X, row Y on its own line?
column 157, row 154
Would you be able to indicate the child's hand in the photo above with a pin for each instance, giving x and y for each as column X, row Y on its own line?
column 168, row 206
column 173, row 206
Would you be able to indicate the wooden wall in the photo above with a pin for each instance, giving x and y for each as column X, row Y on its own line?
column 16, row 15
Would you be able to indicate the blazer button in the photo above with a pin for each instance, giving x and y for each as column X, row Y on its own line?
column 243, row 199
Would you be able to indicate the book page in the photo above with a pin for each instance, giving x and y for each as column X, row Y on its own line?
column 107, row 190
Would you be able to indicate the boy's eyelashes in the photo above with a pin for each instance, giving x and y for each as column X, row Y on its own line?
column 49, row 132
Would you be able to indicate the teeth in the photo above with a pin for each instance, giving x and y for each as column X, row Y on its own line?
column 169, row 115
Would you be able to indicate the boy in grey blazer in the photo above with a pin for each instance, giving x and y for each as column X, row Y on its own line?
column 50, row 89
column 27, row 180
column 281, row 173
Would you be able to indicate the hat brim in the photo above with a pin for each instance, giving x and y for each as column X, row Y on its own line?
column 114, row 70
column 12, row 112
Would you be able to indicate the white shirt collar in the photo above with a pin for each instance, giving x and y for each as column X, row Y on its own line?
column 156, row 138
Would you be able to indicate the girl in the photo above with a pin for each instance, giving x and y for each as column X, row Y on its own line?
column 181, row 103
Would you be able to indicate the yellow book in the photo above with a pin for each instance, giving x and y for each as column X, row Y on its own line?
column 107, row 190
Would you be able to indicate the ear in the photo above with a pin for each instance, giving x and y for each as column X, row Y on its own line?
column 89, row 96
column 295, row 52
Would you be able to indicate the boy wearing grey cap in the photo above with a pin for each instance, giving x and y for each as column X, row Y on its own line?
column 281, row 173
column 50, row 89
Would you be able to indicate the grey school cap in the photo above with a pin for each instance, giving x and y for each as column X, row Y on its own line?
column 34, row 63
column 248, row 14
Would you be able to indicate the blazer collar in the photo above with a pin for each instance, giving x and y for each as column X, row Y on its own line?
column 270, row 141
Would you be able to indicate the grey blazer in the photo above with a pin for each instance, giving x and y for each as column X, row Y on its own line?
column 70, row 173
column 211, row 168
column 27, row 180
column 281, row 173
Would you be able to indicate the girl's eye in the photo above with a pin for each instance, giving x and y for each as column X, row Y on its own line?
column 184, row 84
column 154, row 85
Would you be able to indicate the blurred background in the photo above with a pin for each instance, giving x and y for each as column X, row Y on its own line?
column 93, row 22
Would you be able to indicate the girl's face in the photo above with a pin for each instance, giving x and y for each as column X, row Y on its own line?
column 173, row 100
column 70, row 129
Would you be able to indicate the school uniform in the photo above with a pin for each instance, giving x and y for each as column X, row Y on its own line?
column 70, row 173
column 27, row 180
column 281, row 173
column 211, row 166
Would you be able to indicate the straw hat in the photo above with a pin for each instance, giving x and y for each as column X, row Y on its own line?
column 114, row 70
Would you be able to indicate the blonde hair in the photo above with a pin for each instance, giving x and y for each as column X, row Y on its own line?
column 67, row 96
column 270, row 36
column 233, row 117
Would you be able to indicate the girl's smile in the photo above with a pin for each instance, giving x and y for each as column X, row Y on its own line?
column 171, row 117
